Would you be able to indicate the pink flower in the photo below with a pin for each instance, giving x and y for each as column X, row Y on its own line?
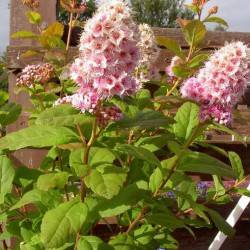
column 108, row 52
column 32, row 74
column 220, row 84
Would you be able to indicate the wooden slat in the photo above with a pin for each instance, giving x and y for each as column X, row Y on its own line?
column 213, row 39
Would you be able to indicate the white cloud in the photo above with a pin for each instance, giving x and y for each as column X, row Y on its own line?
column 4, row 25
column 235, row 12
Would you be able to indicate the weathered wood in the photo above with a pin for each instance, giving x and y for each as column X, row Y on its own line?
column 27, row 157
column 213, row 39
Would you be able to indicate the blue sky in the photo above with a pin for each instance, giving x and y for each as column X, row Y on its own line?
column 235, row 12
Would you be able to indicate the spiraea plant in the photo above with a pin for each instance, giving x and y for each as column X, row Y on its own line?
column 117, row 150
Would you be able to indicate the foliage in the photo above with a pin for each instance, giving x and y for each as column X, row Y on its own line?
column 135, row 170
column 160, row 13
column 3, row 74
column 63, row 15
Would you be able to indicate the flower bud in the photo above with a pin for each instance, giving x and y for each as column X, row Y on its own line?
column 213, row 10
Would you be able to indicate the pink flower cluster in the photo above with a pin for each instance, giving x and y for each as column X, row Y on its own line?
column 221, row 83
column 32, row 74
column 108, row 56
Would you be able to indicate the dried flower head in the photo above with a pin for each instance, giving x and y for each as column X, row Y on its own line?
column 32, row 74
column 32, row 4
column 220, row 84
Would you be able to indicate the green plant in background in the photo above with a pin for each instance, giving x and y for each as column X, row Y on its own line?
column 3, row 74
column 129, row 161
column 63, row 15
column 160, row 13
column 9, row 112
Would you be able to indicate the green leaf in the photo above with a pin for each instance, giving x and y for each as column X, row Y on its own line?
column 61, row 225
column 34, row 17
column 181, row 71
column 236, row 164
column 187, row 118
column 123, row 242
column 202, row 163
column 218, row 184
column 128, row 197
column 24, row 34
column 241, row 191
column 6, row 176
column 38, row 136
column 92, row 243
column 220, row 223
column 99, row 156
column 23, row 174
column 35, row 196
column 171, row 45
column 144, row 119
column 145, row 234
column 54, row 29
column 215, row 19
column 63, row 115
column 53, row 180
column 194, row 32
column 198, row 60
column 76, row 163
column 154, row 143
column 166, row 219
column 156, row 179
column 189, row 188
column 9, row 113
column 4, row 96
column 106, row 180
column 222, row 128
column 139, row 153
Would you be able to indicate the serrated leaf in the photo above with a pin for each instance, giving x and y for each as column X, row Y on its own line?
column 106, row 181
column 34, row 17
column 38, row 136
column 215, row 19
column 171, row 45
column 61, row 225
column 6, row 176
